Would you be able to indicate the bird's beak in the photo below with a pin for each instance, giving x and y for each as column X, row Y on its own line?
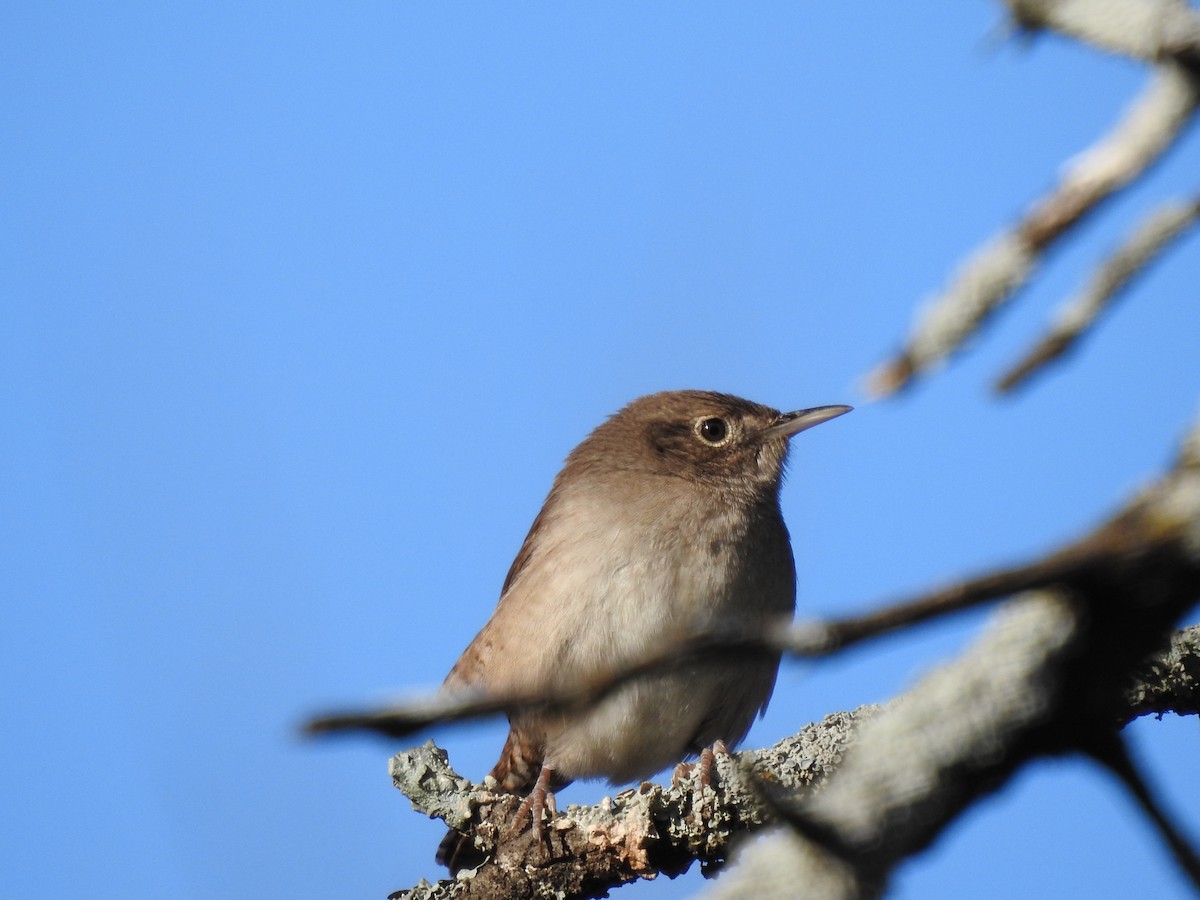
column 803, row 419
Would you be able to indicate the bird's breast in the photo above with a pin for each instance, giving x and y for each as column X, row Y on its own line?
column 640, row 571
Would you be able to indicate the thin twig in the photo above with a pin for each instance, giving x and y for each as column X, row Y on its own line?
column 803, row 640
column 992, row 275
column 1132, row 258
column 1111, row 752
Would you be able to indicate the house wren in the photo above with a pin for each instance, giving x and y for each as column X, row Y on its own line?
column 663, row 522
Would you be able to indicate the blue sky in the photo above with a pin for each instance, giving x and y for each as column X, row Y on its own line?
column 304, row 306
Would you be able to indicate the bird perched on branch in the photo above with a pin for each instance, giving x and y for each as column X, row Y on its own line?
column 664, row 522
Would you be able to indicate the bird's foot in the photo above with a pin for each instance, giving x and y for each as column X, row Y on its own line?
column 702, row 770
column 533, row 807
column 703, row 774
column 708, row 762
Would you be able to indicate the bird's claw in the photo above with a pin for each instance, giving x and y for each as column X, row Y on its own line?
column 534, row 806
column 703, row 771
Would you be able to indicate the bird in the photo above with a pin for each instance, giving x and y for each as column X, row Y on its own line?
column 665, row 521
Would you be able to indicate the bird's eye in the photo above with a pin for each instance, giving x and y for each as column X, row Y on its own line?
column 714, row 431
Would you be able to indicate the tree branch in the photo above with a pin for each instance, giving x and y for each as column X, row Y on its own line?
column 1163, row 33
column 1168, row 682
column 641, row 833
column 1147, row 30
column 1152, row 237
column 993, row 274
column 1113, row 754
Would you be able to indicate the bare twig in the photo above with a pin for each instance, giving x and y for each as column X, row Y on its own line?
column 1112, row 753
column 1149, row 30
column 995, row 272
column 803, row 640
column 1152, row 237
